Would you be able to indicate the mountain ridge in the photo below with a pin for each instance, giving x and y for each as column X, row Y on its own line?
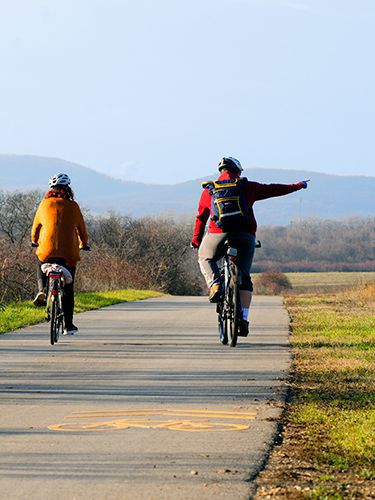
column 328, row 196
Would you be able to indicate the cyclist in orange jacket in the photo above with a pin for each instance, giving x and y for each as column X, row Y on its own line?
column 211, row 246
column 59, row 232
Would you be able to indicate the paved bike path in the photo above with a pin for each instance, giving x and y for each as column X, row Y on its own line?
column 144, row 403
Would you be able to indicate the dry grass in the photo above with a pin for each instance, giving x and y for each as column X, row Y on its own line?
column 328, row 442
column 329, row 281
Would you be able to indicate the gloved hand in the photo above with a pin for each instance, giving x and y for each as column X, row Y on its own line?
column 34, row 245
column 194, row 244
column 303, row 184
column 86, row 249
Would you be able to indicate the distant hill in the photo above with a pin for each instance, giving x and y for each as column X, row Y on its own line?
column 329, row 196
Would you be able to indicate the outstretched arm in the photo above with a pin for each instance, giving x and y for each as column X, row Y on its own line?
column 263, row 191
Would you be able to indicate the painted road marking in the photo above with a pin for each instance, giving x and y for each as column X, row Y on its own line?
column 187, row 420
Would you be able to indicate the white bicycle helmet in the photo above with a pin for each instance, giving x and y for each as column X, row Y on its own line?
column 59, row 180
column 230, row 162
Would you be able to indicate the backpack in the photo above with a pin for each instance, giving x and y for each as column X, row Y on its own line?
column 229, row 207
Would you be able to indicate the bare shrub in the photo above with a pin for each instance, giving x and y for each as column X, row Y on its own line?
column 17, row 271
column 161, row 247
column 103, row 270
column 16, row 215
column 17, row 263
column 272, row 283
column 151, row 252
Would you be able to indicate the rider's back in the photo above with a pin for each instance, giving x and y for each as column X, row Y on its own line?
column 59, row 230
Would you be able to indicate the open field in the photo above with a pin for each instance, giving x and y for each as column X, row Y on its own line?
column 19, row 314
column 328, row 443
column 327, row 281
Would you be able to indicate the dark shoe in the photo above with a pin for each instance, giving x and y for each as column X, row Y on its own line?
column 40, row 299
column 215, row 293
column 71, row 330
column 244, row 328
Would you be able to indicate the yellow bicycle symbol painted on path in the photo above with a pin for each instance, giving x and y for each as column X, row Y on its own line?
column 155, row 418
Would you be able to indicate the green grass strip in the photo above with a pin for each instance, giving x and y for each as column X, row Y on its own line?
column 334, row 397
column 20, row 314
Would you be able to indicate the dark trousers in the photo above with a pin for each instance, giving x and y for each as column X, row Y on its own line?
column 68, row 294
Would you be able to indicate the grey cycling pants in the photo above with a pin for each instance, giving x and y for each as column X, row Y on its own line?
column 212, row 249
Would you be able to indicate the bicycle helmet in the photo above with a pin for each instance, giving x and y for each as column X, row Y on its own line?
column 230, row 163
column 59, row 180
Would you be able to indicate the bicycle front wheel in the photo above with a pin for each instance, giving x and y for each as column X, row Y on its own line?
column 222, row 324
column 235, row 314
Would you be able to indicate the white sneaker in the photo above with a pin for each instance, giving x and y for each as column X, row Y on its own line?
column 70, row 331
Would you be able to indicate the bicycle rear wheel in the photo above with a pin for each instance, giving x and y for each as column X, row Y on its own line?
column 60, row 317
column 54, row 323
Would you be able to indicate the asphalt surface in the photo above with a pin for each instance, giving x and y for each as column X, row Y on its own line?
column 144, row 403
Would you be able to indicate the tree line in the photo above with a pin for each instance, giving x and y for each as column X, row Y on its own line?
column 318, row 245
column 154, row 253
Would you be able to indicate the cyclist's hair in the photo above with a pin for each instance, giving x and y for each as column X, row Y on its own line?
column 60, row 191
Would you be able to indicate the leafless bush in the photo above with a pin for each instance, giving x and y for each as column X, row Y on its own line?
column 17, row 264
column 16, row 215
column 102, row 269
column 17, row 269
column 272, row 283
column 147, row 253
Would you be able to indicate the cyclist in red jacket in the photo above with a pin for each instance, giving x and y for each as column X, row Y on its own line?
column 211, row 245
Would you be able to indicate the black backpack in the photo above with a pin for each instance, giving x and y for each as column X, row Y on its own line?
column 229, row 206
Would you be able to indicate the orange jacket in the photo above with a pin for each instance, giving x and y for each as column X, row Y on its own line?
column 59, row 230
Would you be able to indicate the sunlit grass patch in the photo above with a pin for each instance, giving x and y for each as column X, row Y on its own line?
column 334, row 346
column 328, row 439
column 340, row 439
column 20, row 314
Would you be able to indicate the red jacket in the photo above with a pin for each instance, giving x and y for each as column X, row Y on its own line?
column 254, row 192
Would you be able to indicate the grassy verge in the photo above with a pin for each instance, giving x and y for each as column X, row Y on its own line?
column 19, row 314
column 327, row 450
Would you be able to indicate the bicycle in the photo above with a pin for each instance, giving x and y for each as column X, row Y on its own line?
column 55, row 292
column 54, row 308
column 229, row 309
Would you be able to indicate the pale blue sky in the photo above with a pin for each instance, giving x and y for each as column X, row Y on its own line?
column 159, row 90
